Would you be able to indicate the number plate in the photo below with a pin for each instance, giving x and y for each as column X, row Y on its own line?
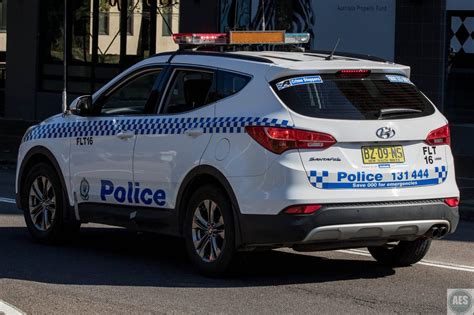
column 383, row 154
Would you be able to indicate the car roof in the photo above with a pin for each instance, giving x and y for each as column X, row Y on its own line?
column 276, row 64
column 292, row 59
column 273, row 64
column 279, row 57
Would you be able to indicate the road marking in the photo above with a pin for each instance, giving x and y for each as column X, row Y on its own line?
column 431, row 263
column 7, row 200
column 8, row 309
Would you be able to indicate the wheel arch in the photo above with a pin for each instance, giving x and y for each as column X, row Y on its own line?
column 36, row 155
column 206, row 174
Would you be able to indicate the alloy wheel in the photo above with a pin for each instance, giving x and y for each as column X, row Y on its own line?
column 208, row 230
column 42, row 203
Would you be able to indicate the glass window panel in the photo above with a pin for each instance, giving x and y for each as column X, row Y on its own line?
column 352, row 99
column 81, row 31
column 132, row 97
column 230, row 83
column 104, row 23
column 190, row 90
column 81, row 42
column 52, row 29
column 130, row 19
column 3, row 15
column 167, row 21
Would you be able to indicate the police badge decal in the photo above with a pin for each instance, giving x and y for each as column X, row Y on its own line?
column 84, row 189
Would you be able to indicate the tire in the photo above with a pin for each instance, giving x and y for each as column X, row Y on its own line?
column 210, row 244
column 405, row 253
column 44, row 206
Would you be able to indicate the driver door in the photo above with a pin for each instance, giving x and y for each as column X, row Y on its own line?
column 102, row 147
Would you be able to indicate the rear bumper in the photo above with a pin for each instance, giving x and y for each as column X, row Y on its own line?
column 379, row 230
column 349, row 223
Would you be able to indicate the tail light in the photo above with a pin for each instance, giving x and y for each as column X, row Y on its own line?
column 452, row 202
column 353, row 73
column 439, row 136
column 302, row 209
column 279, row 140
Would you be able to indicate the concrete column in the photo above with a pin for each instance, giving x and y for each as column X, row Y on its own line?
column 22, row 59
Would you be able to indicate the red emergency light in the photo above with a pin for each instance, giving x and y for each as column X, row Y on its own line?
column 241, row 38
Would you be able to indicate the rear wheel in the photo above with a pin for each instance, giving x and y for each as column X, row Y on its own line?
column 45, row 204
column 404, row 253
column 209, row 231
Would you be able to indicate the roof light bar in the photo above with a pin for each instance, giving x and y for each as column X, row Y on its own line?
column 256, row 37
column 241, row 38
column 200, row 38
column 297, row 38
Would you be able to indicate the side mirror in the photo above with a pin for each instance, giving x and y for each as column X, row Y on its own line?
column 81, row 106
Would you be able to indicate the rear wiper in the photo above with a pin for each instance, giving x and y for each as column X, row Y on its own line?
column 397, row 111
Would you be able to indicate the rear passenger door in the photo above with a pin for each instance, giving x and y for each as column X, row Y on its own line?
column 179, row 133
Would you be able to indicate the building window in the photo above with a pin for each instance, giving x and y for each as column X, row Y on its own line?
column 104, row 23
column 130, row 22
column 3, row 15
column 167, row 21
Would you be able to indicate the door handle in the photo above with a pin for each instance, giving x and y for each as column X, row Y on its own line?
column 194, row 132
column 125, row 135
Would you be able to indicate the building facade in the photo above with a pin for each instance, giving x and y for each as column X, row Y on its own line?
column 434, row 37
column 104, row 38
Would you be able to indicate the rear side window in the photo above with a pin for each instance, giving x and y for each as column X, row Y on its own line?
column 190, row 90
column 229, row 83
column 374, row 97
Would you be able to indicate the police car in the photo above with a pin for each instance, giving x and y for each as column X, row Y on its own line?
column 248, row 150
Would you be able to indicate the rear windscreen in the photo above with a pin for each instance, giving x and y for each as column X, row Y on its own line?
column 375, row 97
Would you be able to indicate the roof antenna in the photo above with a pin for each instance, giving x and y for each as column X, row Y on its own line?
column 263, row 15
column 331, row 56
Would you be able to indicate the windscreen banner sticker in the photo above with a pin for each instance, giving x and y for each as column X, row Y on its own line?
column 398, row 79
column 378, row 180
column 315, row 79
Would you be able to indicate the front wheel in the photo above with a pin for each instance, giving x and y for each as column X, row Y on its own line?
column 44, row 204
column 209, row 231
column 404, row 253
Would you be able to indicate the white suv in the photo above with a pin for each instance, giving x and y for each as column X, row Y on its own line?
column 248, row 150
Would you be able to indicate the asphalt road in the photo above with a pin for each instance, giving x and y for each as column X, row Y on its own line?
column 111, row 270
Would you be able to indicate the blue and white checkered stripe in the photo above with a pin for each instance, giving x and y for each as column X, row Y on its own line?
column 317, row 178
column 442, row 173
column 151, row 126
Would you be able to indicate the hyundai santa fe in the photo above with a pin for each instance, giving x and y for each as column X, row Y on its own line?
column 248, row 150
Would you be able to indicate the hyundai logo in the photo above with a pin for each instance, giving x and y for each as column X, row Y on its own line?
column 385, row 133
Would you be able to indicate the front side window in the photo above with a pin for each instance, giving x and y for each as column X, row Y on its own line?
column 132, row 97
column 189, row 90
column 375, row 97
